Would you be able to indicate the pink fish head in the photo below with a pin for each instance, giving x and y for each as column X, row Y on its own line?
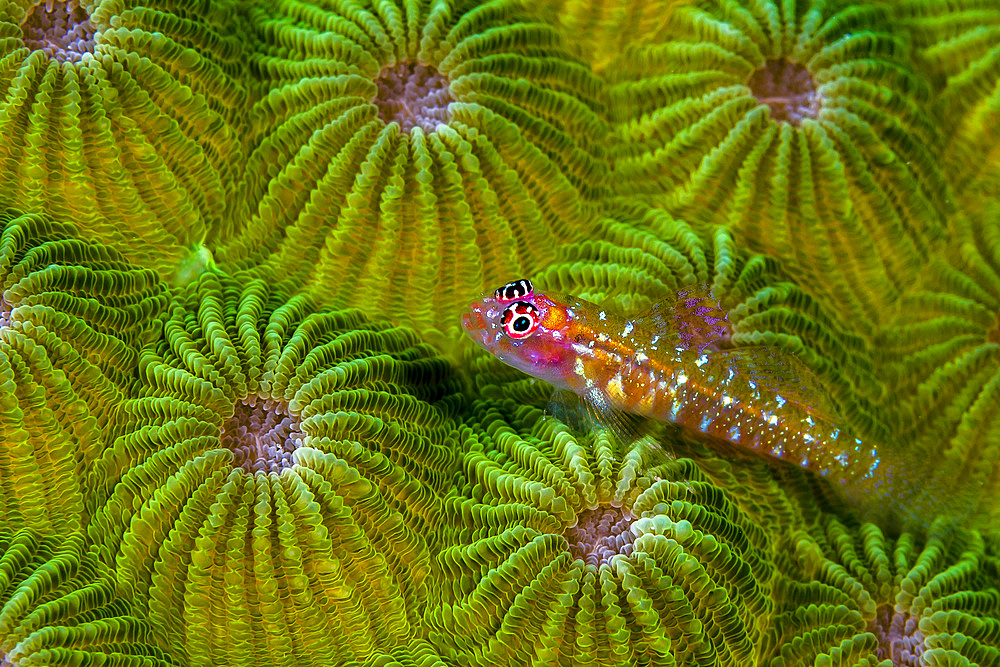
column 523, row 329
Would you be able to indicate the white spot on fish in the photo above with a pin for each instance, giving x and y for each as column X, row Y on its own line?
column 727, row 400
column 602, row 315
column 627, row 329
column 809, row 420
column 772, row 420
column 779, row 400
column 681, row 378
column 808, row 438
column 843, row 459
column 701, row 361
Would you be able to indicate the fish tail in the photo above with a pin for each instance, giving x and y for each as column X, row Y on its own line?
column 911, row 492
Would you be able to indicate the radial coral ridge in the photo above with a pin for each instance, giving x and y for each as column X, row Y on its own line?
column 415, row 149
column 117, row 115
column 855, row 596
column 579, row 550
column 803, row 125
column 960, row 43
column 943, row 358
column 271, row 487
column 59, row 608
column 73, row 317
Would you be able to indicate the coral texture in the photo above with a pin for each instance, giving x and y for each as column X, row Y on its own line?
column 959, row 42
column 580, row 550
column 803, row 125
column 118, row 116
column 271, row 485
column 402, row 149
column 854, row 596
column 74, row 316
column 222, row 443
column 59, row 608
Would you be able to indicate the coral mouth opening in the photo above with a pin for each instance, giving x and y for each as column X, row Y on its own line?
column 62, row 30
column 788, row 89
column 413, row 94
column 898, row 636
column 600, row 534
column 261, row 434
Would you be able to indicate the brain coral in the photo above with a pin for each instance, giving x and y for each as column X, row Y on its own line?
column 72, row 317
column 59, row 608
column 117, row 115
column 855, row 596
column 578, row 550
column 803, row 125
column 411, row 148
column 271, row 485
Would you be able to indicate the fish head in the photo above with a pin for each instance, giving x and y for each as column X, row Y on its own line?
column 524, row 329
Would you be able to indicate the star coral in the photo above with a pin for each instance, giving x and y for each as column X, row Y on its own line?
column 858, row 596
column 400, row 149
column 75, row 316
column 270, row 467
column 807, row 115
column 59, row 608
column 118, row 117
column 217, row 528
column 545, row 567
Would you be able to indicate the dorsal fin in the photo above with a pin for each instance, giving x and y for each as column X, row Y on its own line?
column 692, row 317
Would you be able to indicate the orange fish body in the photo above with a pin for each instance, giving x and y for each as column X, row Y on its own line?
column 669, row 365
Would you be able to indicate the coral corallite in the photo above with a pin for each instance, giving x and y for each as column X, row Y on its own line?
column 261, row 434
column 63, row 30
column 428, row 149
column 275, row 457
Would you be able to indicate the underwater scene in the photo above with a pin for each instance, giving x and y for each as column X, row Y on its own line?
column 448, row 333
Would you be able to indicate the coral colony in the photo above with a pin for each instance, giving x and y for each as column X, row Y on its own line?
column 240, row 423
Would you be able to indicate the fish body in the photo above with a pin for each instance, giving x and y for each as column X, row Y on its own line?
column 670, row 364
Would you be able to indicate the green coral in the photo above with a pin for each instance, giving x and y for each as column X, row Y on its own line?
column 959, row 42
column 578, row 550
column 270, row 487
column 72, row 317
column 943, row 352
column 855, row 596
column 59, row 608
column 804, row 126
column 407, row 148
column 118, row 116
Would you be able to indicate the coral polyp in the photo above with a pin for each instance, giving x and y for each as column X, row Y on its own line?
column 412, row 93
column 402, row 149
column 787, row 88
column 806, row 115
column 599, row 534
column 61, row 29
column 261, row 434
column 276, row 455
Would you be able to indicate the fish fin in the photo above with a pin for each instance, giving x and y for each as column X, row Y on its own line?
column 692, row 318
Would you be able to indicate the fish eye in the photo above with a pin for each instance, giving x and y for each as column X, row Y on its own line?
column 520, row 320
column 519, row 289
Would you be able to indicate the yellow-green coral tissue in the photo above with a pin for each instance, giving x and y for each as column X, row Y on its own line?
column 240, row 422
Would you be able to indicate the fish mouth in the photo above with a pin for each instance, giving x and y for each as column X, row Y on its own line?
column 475, row 324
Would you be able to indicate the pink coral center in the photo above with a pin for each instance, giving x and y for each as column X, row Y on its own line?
column 63, row 30
column 899, row 638
column 600, row 534
column 413, row 94
column 788, row 89
column 261, row 434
